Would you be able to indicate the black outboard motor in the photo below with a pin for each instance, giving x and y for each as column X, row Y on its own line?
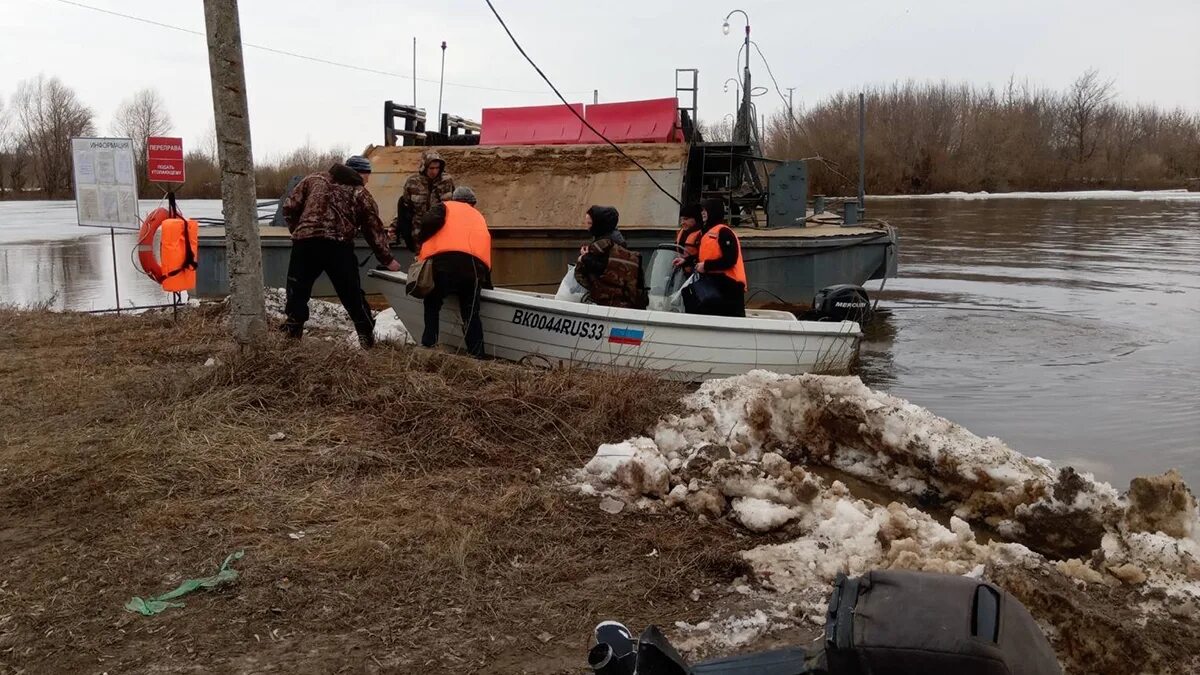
column 843, row 302
column 886, row 622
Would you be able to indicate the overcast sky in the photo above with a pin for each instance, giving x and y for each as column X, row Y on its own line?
column 627, row 49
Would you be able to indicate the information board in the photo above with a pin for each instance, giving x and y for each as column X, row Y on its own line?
column 105, row 183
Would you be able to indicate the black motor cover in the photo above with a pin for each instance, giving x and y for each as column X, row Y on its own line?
column 843, row 302
column 892, row 622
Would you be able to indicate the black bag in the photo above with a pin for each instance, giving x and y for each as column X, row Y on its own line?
column 890, row 622
column 701, row 295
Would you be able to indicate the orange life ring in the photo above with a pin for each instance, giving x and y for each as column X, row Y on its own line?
column 175, row 266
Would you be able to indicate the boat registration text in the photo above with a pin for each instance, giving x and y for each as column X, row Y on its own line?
column 556, row 324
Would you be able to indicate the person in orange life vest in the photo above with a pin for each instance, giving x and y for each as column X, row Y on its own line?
column 324, row 213
column 688, row 237
column 721, row 288
column 454, row 237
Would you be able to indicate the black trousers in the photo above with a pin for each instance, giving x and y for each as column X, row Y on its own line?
column 311, row 257
column 456, row 274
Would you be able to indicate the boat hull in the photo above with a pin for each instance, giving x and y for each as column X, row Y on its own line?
column 528, row 327
column 783, row 267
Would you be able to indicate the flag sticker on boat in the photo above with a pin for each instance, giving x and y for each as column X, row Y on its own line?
column 626, row 336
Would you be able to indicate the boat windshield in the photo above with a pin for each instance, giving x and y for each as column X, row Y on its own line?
column 664, row 278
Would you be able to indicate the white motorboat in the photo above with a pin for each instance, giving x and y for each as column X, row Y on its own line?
column 524, row 326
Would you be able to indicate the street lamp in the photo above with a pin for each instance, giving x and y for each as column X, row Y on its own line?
column 745, row 73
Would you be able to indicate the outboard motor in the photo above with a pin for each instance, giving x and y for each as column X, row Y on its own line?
column 886, row 622
column 843, row 302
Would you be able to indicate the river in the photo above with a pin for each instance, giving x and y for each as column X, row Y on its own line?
column 1068, row 326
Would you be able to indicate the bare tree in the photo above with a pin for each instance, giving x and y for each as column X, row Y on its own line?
column 5, row 123
column 48, row 115
column 143, row 115
column 1085, row 103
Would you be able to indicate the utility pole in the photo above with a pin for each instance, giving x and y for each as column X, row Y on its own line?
column 238, row 197
column 441, row 85
column 595, row 96
column 791, row 109
column 414, row 71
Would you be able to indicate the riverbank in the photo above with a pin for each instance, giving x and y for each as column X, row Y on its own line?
column 403, row 510
column 396, row 507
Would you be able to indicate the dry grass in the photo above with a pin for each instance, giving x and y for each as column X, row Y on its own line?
column 436, row 538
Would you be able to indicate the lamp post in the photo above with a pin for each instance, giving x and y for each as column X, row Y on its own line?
column 745, row 111
column 737, row 98
column 441, row 85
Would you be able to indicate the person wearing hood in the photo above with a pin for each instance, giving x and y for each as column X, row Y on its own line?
column 453, row 236
column 721, row 288
column 324, row 213
column 610, row 272
column 423, row 190
column 687, row 237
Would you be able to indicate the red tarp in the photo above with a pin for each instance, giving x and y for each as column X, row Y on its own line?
column 652, row 121
column 533, row 125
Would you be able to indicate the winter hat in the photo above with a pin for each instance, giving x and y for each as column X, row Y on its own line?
column 604, row 220
column 462, row 193
column 359, row 163
column 691, row 211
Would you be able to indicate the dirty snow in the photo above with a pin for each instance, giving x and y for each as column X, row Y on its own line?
column 331, row 316
column 747, row 449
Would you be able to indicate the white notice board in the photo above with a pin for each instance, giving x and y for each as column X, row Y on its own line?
column 105, row 182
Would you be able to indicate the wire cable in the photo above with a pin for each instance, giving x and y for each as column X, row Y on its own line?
column 828, row 164
column 283, row 52
column 572, row 109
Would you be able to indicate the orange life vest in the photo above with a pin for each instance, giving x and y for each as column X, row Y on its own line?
column 465, row 231
column 175, row 266
column 689, row 240
column 710, row 250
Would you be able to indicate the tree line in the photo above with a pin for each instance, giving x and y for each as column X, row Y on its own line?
column 939, row 137
column 39, row 120
column 921, row 137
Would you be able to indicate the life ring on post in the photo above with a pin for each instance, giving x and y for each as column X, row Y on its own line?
column 174, row 268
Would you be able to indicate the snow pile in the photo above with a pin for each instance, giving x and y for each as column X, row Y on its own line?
column 751, row 448
column 321, row 313
column 389, row 328
column 840, row 423
column 325, row 315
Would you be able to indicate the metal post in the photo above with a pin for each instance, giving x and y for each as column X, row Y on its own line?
column 862, row 153
column 227, row 70
column 441, row 85
column 595, row 96
column 112, row 237
column 414, row 71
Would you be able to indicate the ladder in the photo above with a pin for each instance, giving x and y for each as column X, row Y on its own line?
column 687, row 113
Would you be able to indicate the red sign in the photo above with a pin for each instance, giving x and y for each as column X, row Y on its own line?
column 164, row 159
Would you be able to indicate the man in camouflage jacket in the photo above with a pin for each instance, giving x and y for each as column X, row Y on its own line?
column 324, row 213
column 430, row 186
column 611, row 273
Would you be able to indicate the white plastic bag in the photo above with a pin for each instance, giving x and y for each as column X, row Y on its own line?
column 569, row 289
column 675, row 301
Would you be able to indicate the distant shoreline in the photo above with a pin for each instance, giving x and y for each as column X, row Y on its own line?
column 1169, row 194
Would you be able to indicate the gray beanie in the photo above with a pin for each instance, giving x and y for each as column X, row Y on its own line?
column 359, row 163
column 462, row 193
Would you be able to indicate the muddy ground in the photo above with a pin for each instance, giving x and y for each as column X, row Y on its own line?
column 411, row 518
